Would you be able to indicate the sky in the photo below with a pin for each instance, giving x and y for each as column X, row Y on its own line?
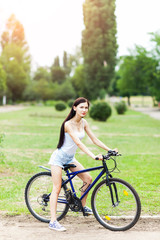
column 54, row 26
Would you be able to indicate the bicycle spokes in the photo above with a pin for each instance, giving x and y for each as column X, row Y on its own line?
column 37, row 196
column 120, row 208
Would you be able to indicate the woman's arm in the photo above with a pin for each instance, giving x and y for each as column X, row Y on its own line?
column 78, row 142
column 94, row 139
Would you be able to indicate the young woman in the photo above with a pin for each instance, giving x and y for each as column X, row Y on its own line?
column 72, row 131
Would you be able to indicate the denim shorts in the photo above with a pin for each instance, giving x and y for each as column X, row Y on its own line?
column 59, row 158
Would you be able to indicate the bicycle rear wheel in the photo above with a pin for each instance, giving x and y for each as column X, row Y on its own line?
column 127, row 207
column 37, row 193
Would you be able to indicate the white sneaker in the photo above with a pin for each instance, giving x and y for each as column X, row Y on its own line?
column 56, row 226
column 87, row 211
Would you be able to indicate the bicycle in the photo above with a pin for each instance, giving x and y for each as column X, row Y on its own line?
column 115, row 203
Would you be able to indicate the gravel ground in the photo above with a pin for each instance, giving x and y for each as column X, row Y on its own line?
column 26, row 227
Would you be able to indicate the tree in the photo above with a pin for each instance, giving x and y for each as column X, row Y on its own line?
column 75, row 59
column 15, row 58
column 78, row 80
column 126, row 80
column 58, row 75
column 64, row 92
column 136, row 73
column 2, row 81
column 40, row 87
column 113, row 89
column 42, row 73
column 44, row 90
column 17, row 70
column 155, row 83
column 56, row 62
column 39, row 90
column 66, row 65
column 65, row 60
column 99, row 45
column 71, row 61
column 14, row 33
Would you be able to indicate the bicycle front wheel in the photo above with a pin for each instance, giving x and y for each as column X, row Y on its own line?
column 37, row 193
column 117, row 213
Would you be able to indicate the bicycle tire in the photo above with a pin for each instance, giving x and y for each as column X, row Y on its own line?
column 37, row 186
column 125, row 214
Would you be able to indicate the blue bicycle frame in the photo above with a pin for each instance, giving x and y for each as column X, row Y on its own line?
column 71, row 175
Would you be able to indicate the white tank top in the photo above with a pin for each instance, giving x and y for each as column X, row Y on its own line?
column 69, row 146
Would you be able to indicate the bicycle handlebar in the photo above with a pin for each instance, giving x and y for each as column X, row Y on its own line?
column 109, row 154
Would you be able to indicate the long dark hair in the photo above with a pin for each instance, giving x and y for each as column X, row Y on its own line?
column 70, row 115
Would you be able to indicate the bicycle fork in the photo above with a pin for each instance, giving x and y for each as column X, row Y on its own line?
column 112, row 189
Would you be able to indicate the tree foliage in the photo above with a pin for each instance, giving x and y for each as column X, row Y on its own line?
column 56, row 62
column 2, row 81
column 42, row 73
column 14, row 33
column 155, row 83
column 58, row 75
column 78, row 80
column 137, row 73
column 99, row 45
column 39, row 90
column 66, row 65
column 126, row 80
column 64, row 92
column 15, row 58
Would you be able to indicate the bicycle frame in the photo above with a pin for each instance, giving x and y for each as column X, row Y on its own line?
column 115, row 194
column 71, row 175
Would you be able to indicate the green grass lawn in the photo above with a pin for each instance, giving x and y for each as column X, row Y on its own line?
column 30, row 136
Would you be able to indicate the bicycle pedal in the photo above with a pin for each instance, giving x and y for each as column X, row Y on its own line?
column 86, row 214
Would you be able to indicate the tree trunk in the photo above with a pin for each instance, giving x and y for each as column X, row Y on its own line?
column 129, row 102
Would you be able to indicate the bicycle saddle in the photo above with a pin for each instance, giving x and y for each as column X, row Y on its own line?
column 67, row 166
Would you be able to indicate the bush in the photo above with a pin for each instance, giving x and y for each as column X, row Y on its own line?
column 60, row 106
column 120, row 107
column 100, row 111
column 70, row 103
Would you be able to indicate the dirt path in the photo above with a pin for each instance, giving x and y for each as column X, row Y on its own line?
column 152, row 112
column 9, row 108
column 28, row 228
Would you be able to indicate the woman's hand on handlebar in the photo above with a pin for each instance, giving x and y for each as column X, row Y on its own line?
column 115, row 149
column 99, row 157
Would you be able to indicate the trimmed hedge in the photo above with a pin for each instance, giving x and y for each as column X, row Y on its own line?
column 60, row 106
column 100, row 111
column 120, row 107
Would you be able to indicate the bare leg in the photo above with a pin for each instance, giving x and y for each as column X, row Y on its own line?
column 57, row 182
column 86, row 178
